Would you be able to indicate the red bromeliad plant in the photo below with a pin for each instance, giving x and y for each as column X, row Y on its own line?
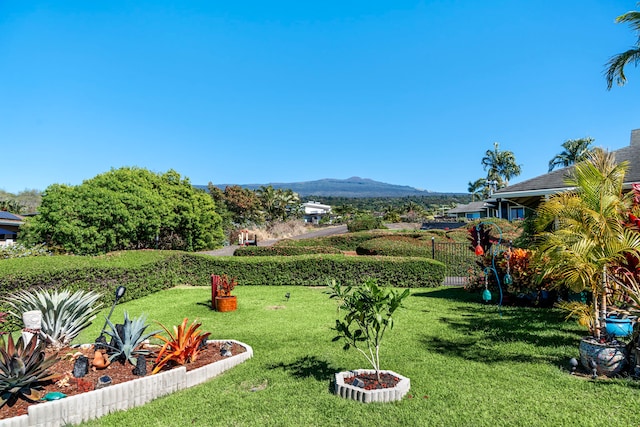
column 225, row 285
column 183, row 346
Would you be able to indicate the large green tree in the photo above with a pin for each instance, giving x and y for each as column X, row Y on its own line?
column 126, row 208
column 614, row 71
column 575, row 150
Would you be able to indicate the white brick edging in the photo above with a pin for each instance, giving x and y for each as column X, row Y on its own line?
column 120, row 397
column 349, row 391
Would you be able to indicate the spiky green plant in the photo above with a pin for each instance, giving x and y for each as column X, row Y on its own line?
column 127, row 347
column 23, row 367
column 64, row 314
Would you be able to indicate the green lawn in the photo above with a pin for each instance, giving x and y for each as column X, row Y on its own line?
column 469, row 365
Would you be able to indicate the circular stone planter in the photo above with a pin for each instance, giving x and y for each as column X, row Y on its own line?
column 610, row 359
column 349, row 391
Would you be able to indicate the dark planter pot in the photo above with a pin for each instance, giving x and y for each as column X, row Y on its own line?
column 610, row 359
column 226, row 303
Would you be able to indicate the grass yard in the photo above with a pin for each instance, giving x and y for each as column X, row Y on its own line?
column 469, row 365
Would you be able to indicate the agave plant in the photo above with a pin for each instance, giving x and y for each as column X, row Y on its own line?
column 64, row 314
column 182, row 346
column 126, row 346
column 23, row 367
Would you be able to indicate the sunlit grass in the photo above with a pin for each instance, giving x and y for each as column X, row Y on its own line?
column 469, row 365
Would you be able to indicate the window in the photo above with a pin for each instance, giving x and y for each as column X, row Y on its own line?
column 516, row 213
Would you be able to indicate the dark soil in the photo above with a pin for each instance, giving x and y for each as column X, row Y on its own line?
column 118, row 372
column 371, row 381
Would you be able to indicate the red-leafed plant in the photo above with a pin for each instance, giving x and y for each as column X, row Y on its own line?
column 183, row 346
column 224, row 285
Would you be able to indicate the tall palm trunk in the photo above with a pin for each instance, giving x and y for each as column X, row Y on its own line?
column 596, row 318
column 603, row 304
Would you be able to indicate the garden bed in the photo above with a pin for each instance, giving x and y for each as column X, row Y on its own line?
column 127, row 390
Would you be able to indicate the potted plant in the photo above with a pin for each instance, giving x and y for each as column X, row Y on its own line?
column 582, row 236
column 221, row 298
column 368, row 314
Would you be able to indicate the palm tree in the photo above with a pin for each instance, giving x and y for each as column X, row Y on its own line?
column 501, row 166
column 615, row 66
column 478, row 188
column 589, row 232
column 575, row 150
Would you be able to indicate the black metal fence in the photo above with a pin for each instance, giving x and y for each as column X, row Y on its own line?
column 458, row 258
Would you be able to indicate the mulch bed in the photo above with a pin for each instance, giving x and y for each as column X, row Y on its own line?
column 118, row 372
column 371, row 381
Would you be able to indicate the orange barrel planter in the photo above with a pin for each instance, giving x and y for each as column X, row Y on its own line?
column 226, row 303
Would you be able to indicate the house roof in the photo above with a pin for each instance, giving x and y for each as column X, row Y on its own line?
column 470, row 207
column 553, row 182
column 9, row 215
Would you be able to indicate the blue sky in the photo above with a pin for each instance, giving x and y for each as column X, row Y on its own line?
column 404, row 92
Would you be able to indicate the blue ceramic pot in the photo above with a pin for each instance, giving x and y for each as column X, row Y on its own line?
column 619, row 327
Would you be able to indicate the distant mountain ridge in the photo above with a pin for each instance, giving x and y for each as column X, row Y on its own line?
column 350, row 187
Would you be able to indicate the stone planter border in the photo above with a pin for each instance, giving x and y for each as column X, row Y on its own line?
column 119, row 397
column 349, row 391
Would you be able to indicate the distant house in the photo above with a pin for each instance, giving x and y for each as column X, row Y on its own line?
column 315, row 211
column 473, row 210
column 518, row 200
column 9, row 226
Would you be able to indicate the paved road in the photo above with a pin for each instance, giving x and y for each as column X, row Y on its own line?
column 325, row 231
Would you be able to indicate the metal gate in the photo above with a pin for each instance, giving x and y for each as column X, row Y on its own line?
column 458, row 258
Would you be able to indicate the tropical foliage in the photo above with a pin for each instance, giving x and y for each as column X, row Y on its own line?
column 24, row 202
column 23, row 369
column 64, row 314
column 574, row 151
column 224, row 284
column 127, row 208
column 583, row 232
column 500, row 165
column 615, row 66
column 182, row 346
column 369, row 310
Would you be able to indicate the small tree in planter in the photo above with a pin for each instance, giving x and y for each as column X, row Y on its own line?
column 369, row 311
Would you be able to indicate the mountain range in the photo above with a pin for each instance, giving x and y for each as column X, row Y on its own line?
column 350, row 187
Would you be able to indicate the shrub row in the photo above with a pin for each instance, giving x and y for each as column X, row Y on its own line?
column 284, row 250
column 314, row 270
column 144, row 272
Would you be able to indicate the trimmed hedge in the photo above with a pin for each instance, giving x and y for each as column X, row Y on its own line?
column 315, row 270
column 144, row 272
column 284, row 250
